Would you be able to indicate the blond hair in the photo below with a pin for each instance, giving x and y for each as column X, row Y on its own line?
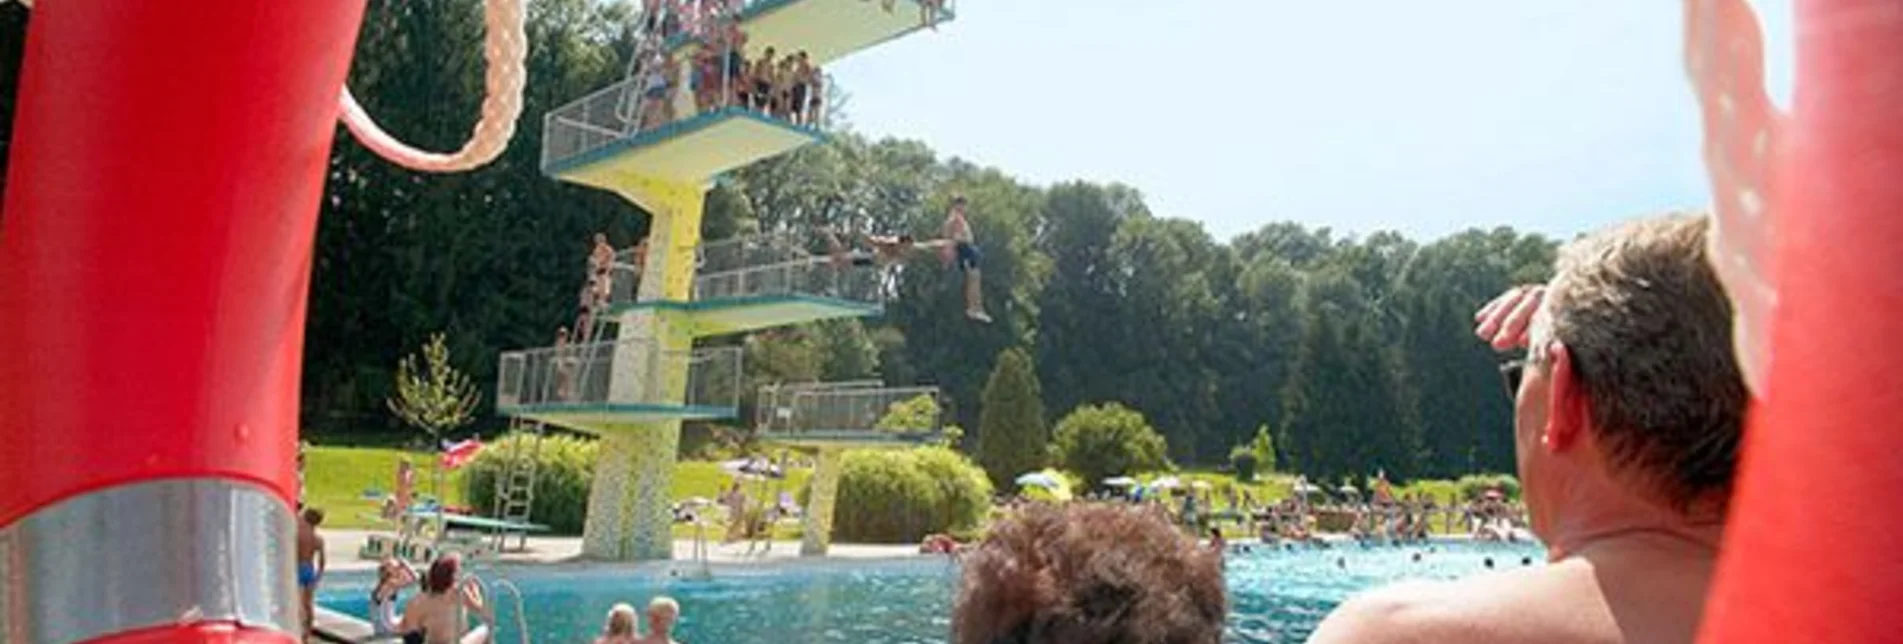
column 621, row 621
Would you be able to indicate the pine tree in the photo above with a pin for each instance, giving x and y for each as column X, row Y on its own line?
column 1012, row 438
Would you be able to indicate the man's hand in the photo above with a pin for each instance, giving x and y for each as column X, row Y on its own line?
column 474, row 601
column 1503, row 322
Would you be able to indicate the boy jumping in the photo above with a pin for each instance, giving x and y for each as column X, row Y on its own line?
column 958, row 230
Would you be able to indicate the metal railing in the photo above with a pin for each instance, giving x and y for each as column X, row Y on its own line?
column 621, row 372
column 851, row 407
column 813, row 276
column 736, row 253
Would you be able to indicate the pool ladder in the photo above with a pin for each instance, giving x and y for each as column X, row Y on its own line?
column 521, row 613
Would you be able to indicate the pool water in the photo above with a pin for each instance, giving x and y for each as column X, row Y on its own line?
column 1274, row 595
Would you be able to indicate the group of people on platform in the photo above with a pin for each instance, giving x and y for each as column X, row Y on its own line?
column 719, row 73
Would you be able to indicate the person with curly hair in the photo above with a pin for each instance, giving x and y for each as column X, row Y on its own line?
column 1089, row 574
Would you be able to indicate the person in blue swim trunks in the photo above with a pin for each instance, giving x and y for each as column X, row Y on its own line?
column 957, row 230
column 310, row 558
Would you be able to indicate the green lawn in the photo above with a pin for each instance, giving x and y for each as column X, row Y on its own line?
column 336, row 478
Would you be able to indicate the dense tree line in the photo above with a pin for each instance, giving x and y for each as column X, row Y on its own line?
column 1355, row 350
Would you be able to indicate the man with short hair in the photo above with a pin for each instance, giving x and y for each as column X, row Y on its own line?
column 1089, row 574
column 310, row 560
column 662, row 613
column 1628, row 410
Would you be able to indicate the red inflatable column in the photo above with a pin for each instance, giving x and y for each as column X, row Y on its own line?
column 1814, row 551
column 155, row 250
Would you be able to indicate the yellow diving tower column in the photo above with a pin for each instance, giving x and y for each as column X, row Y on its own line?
column 634, row 390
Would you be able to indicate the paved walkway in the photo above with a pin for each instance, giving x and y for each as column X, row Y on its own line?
column 340, row 550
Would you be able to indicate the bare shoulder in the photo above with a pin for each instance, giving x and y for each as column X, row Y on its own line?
column 1413, row 611
column 1551, row 604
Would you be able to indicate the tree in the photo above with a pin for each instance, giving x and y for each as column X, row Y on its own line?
column 1263, row 448
column 1242, row 459
column 914, row 414
column 436, row 398
column 1096, row 442
column 1011, row 433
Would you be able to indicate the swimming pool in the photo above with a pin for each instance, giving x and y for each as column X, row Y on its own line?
column 1274, row 595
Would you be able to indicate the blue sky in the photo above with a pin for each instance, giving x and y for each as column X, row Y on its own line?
column 1424, row 117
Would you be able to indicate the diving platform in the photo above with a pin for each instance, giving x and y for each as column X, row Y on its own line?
column 771, row 280
column 596, row 141
column 856, row 414
column 599, row 387
column 828, row 30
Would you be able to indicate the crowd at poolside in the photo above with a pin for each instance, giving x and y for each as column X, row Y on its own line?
column 1626, row 433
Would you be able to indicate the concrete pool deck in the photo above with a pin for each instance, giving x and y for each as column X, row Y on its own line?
column 340, row 551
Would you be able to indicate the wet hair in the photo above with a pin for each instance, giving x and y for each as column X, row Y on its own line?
column 313, row 516
column 621, row 621
column 1648, row 327
column 442, row 574
column 1088, row 574
column 958, row 200
column 905, row 239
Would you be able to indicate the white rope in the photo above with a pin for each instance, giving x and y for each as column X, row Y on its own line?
column 503, row 51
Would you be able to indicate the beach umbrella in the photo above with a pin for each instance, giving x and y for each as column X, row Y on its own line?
column 1039, row 480
column 752, row 468
column 1120, row 481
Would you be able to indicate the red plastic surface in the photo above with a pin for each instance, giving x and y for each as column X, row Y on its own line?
column 167, row 163
column 202, row 633
column 1814, row 551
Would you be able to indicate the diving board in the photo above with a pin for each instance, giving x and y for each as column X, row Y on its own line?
column 691, row 150
column 826, row 30
column 730, row 315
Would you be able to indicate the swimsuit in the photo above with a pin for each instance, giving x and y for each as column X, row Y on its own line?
column 306, row 574
column 968, row 256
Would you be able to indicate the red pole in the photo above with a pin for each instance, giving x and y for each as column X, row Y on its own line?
column 1814, row 550
column 168, row 158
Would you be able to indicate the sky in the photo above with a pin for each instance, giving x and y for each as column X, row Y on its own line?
column 1555, row 116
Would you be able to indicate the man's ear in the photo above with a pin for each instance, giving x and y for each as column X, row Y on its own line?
column 1566, row 411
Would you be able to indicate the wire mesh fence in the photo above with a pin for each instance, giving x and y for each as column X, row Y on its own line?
column 858, row 407
column 620, row 372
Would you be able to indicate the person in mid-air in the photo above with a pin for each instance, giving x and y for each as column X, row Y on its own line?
column 886, row 249
column 958, row 230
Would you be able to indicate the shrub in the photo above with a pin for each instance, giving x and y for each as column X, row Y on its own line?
column 1097, row 442
column 901, row 496
column 565, row 468
column 1263, row 447
column 1473, row 485
column 1242, row 459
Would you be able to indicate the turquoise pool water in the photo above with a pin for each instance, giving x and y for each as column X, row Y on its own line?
column 1274, row 595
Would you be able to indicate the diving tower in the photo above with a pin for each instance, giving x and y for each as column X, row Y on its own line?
column 833, row 417
column 659, row 137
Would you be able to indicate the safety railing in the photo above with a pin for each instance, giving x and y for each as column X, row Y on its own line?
column 624, row 276
column 621, row 372
column 848, row 408
column 821, row 276
column 737, row 253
